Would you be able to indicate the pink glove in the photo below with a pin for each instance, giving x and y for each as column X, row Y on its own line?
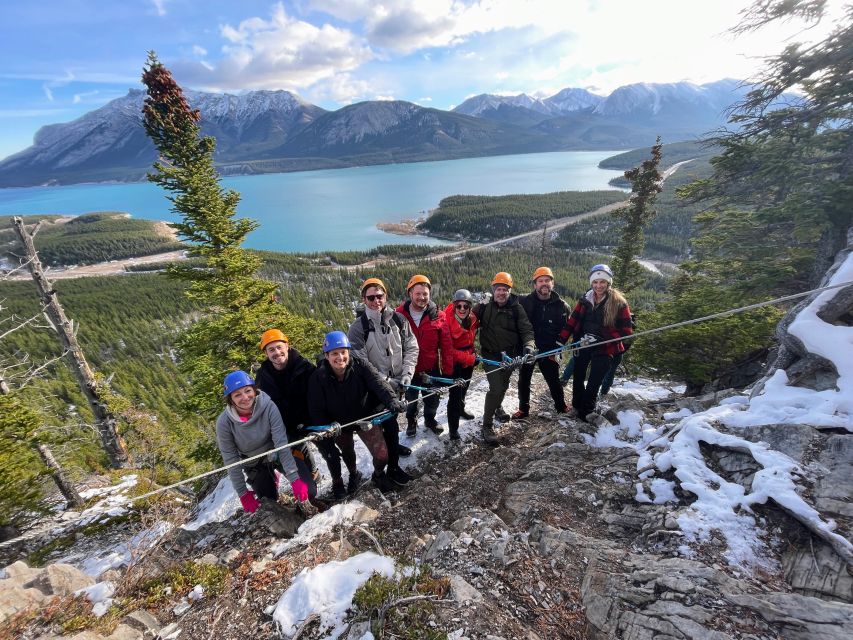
column 300, row 489
column 250, row 502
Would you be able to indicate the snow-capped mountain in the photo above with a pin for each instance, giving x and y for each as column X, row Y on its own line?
column 656, row 99
column 271, row 131
column 570, row 99
column 485, row 102
column 110, row 143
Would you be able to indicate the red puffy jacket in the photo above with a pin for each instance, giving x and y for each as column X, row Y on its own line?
column 462, row 338
column 433, row 336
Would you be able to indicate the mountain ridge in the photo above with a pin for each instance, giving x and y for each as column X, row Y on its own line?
column 276, row 131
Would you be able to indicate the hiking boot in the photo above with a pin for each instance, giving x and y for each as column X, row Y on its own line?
column 403, row 450
column 520, row 415
column 381, row 482
column 489, row 435
column 432, row 425
column 454, row 435
column 398, row 476
column 501, row 415
column 354, row 481
column 412, row 429
column 465, row 414
column 339, row 491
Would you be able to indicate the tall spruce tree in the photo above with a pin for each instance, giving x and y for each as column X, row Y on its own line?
column 645, row 186
column 239, row 304
column 778, row 202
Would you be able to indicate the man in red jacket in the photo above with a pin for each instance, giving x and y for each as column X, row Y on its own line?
column 435, row 350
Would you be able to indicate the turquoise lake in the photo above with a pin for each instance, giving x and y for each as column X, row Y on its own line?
column 337, row 209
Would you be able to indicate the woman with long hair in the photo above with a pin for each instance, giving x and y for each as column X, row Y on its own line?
column 603, row 314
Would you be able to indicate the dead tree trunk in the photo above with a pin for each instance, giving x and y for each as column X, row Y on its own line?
column 62, row 482
column 105, row 421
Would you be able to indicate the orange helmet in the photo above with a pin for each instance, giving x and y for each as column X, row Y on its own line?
column 271, row 335
column 418, row 279
column 542, row 271
column 373, row 282
column 502, row 278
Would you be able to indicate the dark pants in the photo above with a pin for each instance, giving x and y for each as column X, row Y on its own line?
column 262, row 478
column 391, row 433
column 456, row 400
column 611, row 374
column 584, row 396
column 498, row 384
column 331, row 455
column 551, row 372
column 373, row 439
column 430, row 401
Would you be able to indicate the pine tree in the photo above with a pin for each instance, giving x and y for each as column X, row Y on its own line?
column 645, row 186
column 778, row 202
column 239, row 304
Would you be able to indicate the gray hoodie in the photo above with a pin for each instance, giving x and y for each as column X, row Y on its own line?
column 263, row 431
column 391, row 348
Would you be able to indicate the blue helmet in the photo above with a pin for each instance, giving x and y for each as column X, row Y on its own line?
column 336, row 340
column 236, row 380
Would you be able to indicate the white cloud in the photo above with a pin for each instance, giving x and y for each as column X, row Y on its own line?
column 85, row 96
column 384, row 98
column 159, row 6
column 281, row 52
column 199, row 51
column 341, row 88
column 47, row 92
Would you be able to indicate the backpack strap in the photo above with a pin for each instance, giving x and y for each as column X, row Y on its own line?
column 366, row 326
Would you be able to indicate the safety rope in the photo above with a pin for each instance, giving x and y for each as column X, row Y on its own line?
column 513, row 363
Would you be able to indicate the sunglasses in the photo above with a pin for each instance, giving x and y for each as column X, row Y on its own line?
column 462, row 305
column 374, row 297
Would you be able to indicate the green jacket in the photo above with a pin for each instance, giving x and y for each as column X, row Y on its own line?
column 505, row 328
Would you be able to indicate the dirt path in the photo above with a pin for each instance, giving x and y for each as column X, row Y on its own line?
column 111, row 268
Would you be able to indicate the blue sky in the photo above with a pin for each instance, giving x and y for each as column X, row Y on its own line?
column 62, row 58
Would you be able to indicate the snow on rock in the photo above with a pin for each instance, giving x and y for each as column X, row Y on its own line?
column 219, row 505
column 124, row 553
column 725, row 507
column 322, row 523
column 645, row 389
column 327, row 590
column 100, row 595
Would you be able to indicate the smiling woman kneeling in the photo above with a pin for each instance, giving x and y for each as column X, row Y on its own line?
column 249, row 425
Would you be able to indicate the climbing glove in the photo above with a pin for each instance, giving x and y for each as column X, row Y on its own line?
column 250, row 502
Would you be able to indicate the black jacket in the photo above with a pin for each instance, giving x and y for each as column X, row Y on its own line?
column 548, row 318
column 288, row 389
column 361, row 393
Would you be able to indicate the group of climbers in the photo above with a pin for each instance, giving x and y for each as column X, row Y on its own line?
column 391, row 360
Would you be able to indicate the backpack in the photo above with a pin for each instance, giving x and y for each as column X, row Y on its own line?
column 367, row 325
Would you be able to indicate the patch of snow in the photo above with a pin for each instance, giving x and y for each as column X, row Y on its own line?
column 663, row 490
column 219, row 505
column 124, row 553
column 320, row 524
column 645, row 389
column 681, row 413
column 327, row 590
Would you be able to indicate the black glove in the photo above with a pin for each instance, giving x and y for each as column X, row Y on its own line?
column 529, row 355
column 461, row 382
column 398, row 406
